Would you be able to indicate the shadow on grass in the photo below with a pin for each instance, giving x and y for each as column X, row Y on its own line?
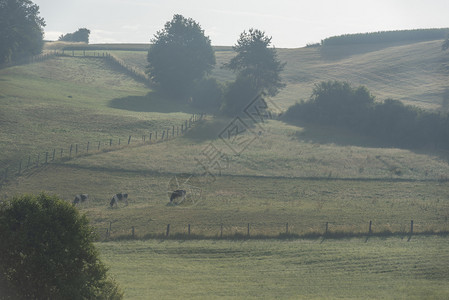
column 151, row 102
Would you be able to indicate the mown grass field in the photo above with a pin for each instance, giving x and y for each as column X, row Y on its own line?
column 305, row 177
column 390, row 268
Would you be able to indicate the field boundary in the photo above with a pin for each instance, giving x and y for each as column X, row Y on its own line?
column 63, row 154
column 247, row 231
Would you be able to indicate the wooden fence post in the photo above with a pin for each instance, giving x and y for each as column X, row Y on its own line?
column 327, row 227
column 46, row 157
column 221, row 231
column 98, row 145
column 173, row 132
column 119, row 141
column 29, row 161
column 129, row 140
column 163, row 134
column 286, row 228
column 182, row 128
column 37, row 162
column 54, row 152
column 110, row 142
column 156, row 136
column 411, row 227
column 369, row 230
column 150, row 135
column 61, row 152
column 168, row 230
column 76, row 149
column 188, row 230
column 248, row 230
column 132, row 229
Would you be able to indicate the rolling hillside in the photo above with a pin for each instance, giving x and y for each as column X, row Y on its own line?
column 285, row 181
column 416, row 73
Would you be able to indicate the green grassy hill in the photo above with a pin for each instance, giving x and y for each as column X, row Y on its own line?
column 282, row 174
column 72, row 100
column 415, row 73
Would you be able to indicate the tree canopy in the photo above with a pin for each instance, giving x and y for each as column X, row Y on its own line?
column 180, row 54
column 256, row 61
column 337, row 104
column 47, row 252
column 21, row 30
column 81, row 35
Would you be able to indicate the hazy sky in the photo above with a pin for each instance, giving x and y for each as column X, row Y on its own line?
column 290, row 23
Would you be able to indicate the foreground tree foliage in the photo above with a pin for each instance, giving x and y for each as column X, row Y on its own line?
column 81, row 35
column 47, row 252
column 337, row 104
column 180, row 54
column 21, row 30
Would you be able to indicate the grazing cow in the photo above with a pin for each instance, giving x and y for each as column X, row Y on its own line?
column 178, row 194
column 119, row 197
column 80, row 198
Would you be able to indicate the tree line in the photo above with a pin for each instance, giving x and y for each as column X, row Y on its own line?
column 414, row 35
column 339, row 105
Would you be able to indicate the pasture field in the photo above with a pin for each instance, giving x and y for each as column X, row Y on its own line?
column 387, row 268
column 306, row 177
column 415, row 73
column 67, row 100
column 266, row 203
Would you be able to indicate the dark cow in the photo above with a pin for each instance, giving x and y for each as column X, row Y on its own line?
column 80, row 198
column 178, row 194
column 119, row 197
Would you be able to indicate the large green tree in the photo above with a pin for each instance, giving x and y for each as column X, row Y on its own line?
column 179, row 55
column 47, row 252
column 21, row 29
column 257, row 62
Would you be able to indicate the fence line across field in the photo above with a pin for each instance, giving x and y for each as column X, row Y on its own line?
column 267, row 230
column 76, row 149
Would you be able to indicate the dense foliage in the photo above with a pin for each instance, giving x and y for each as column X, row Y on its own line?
column 81, row 35
column 258, row 71
column 258, row 62
column 179, row 55
column 21, row 30
column 387, row 37
column 339, row 105
column 47, row 252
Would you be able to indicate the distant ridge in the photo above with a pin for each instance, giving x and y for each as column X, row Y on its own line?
column 414, row 35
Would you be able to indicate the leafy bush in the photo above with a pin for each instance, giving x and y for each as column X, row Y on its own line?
column 337, row 104
column 48, row 253
column 207, row 95
column 238, row 94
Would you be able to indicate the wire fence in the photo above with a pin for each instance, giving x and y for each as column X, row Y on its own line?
column 113, row 230
column 13, row 169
